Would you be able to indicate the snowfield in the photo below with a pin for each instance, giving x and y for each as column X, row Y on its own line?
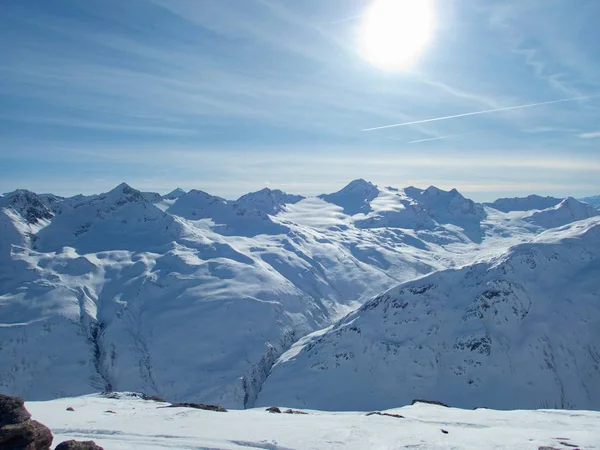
column 193, row 297
column 138, row 424
column 520, row 330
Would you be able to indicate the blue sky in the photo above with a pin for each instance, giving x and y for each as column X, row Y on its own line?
column 230, row 96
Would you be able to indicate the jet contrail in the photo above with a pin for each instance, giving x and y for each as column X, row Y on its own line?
column 475, row 113
column 439, row 138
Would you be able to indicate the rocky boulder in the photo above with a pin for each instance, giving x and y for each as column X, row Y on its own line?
column 77, row 445
column 12, row 411
column 17, row 430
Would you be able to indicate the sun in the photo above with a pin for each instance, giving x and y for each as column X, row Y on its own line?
column 395, row 32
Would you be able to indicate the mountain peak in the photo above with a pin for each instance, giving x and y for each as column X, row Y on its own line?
column 269, row 201
column 359, row 184
column 123, row 193
column 175, row 194
column 28, row 204
column 355, row 197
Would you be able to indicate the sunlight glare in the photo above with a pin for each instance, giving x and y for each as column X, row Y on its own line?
column 394, row 32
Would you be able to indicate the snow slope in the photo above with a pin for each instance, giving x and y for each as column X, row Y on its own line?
column 520, row 330
column 529, row 203
column 138, row 424
column 114, row 292
column 567, row 211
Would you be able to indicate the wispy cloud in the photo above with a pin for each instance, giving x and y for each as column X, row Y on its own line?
column 590, row 135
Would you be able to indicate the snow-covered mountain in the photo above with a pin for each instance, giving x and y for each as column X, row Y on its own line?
column 532, row 202
column 354, row 198
column 174, row 194
column 267, row 200
column 520, row 330
column 119, row 291
column 594, row 200
column 567, row 211
column 32, row 207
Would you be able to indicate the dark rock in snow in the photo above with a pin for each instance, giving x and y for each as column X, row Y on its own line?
column 12, row 410
column 379, row 413
column 430, row 402
column 154, row 398
column 274, row 409
column 77, row 445
column 28, row 435
column 70, row 408
column 293, row 411
column 216, row 408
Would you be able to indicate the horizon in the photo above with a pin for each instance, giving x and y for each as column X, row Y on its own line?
column 500, row 99
column 235, row 197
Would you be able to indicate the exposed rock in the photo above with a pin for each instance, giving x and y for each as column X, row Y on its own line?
column 430, row 402
column 379, row 413
column 70, row 408
column 12, row 410
column 274, row 409
column 154, row 398
column 216, row 408
column 28, row 435
column 78, row 445
column 293, row 411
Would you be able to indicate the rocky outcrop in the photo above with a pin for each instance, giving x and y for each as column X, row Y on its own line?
column 17, row 430
column 215, row 408
column 76, row 445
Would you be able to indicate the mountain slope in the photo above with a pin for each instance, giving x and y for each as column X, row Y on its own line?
column 524, row 203
column 267, row 200
column 116, row 293
column 526, row 323
column 594, row 200
column 567, row 211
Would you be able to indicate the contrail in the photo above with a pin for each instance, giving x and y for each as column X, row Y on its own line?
column 439, row 138
column 475, row 113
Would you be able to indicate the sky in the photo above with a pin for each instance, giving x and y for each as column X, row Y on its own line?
column 230, row 96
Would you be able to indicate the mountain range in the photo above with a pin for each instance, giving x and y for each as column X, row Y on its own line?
column 198, row 298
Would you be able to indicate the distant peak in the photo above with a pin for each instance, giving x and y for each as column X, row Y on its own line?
column 176, row 193
column 360, row 182
column 433, row 190
column 124, row 188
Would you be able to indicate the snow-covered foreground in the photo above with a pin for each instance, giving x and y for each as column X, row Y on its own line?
column 138, row 424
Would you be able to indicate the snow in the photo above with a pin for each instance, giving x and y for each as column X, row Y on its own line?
column 138, row 424
column 268, row 201
column 532, row 202
column 567, row 211
column 115, row 292
column 526, row 322
column 593, row 200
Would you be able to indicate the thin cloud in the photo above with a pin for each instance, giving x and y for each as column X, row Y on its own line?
column 591, row 135
column 476, row 113
column 347, row 19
